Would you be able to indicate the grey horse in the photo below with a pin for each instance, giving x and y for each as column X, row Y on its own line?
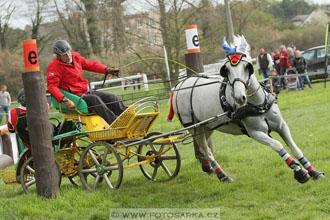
column 251, row 110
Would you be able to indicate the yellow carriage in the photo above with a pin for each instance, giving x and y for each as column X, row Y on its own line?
column 94, row 154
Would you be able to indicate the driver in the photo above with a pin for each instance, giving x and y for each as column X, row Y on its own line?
column 65, row 72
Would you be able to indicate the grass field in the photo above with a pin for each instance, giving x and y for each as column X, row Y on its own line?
column 264, row 186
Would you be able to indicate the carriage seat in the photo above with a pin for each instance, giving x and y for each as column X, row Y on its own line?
column 81, row 105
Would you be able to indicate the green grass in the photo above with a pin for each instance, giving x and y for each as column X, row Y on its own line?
column 264, row 186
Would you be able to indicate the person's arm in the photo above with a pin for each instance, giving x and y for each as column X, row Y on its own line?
column 53, row 82
column 270, row 61
column 257, row 63
column 285, row 55
column 305, row 64
column 9, row 99
column 97, row 67
column 10, row 126
column 89, row 65
column 4, row 131
column 294, row 63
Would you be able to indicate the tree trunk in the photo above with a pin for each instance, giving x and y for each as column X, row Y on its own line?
column 92, row 25
column 40, row 135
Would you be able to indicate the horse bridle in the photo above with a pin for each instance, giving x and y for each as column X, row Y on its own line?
column 246, row 84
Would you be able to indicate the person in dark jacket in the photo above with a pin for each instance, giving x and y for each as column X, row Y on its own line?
column 264, row 62
column 65, row 72
column 299, row 63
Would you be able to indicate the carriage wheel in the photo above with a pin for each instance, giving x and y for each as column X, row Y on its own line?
column 100, row 165
column 27, row 173
column 165, row 167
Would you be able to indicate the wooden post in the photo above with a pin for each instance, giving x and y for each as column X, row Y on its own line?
column 229, row 21
column 194, row 62
column 38, row 124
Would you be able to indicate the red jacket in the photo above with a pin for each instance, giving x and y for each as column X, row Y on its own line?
column 69, row 76
column 12, row 119
column 283, row 61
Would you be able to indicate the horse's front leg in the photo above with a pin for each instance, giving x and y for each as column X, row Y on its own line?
column 257, row 128
column 277, row 124
column 201, row 136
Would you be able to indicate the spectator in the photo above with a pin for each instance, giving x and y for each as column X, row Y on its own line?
column 276, row 60
column 291, row 56
column 301, row 66
column 294, row 48
column 5, row 101
column 275, row 82
column 264, row 62
column 283, row 55
column 139, row 85
column 65, row 72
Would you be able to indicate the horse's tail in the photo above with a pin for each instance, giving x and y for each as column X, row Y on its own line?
column 171, row 113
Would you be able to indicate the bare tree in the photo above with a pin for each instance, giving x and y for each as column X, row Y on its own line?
column 4, row 21
column 244, row 11
column 74, row 26
column 37, row 9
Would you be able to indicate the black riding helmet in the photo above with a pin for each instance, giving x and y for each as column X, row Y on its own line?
column 21, row 97
column 61, row 47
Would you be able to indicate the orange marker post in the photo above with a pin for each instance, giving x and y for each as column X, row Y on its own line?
column 192, row 39
column 30, row 55
column 46, row 176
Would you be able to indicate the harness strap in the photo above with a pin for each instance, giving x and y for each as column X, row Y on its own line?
column 176, row 101
column 223, row 101
column 255, row 110
column 249, row 110
column 191, row 105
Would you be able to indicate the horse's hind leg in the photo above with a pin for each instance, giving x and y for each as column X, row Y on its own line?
column 201, row 137
column 284, row 132
column 258, row 130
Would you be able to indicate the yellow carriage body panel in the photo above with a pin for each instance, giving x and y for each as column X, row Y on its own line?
column 127, row 126
column 9, row 177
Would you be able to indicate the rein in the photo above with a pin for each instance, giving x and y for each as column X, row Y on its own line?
column 253, row 93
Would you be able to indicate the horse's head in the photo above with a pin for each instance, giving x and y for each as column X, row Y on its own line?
column 237, row 70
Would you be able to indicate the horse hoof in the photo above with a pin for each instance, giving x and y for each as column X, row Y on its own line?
column 223, row 177
column 316, row 174
column 207, row 169
column 227, row 179
column 301, row 175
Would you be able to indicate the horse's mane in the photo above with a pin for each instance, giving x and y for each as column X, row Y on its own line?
column 237, row 42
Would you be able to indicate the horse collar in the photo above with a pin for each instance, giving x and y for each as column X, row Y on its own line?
column 235, row 58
